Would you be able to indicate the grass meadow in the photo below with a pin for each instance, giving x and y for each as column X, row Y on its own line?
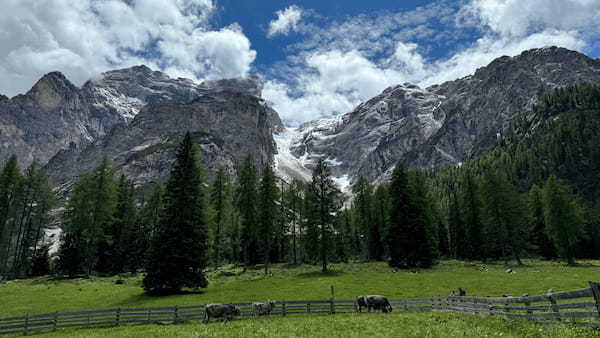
column 231, row 284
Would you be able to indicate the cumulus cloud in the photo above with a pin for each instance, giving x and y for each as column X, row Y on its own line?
column 287, row 21
column 340, row 66
column 85, row 37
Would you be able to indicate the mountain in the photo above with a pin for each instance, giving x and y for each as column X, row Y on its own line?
column 442, row 124
column 56, row 115
column 226, row 125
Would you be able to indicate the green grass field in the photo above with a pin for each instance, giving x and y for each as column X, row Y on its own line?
column 228, row 284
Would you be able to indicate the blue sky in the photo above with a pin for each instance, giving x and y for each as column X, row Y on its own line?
column 317, row 58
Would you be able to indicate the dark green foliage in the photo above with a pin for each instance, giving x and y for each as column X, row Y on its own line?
column 539, row 237
column 563, row 217
column 294, row 200
column 178, row 253
column 221, row 202
column 246, row 204
column 506, row 226
column 149, row 219
column 268, row 210
column 381, row 217
column 413, row 233
column 364, row 213
column 40, row 261
column 25, row 204
column 89, row 212
column 471, row 208
column 323, row 204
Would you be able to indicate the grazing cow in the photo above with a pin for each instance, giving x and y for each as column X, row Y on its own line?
column 263, row 308
column 361, row 301
column 226, row 311
column 378, row 303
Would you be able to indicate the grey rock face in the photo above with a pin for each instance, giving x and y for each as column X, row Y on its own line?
column 225, row 125
column 442, row 124
column 55, row 115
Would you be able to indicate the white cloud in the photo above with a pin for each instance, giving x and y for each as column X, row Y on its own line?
column 338, row 67
column 85, row 37
column 287, row 20
column 518, row 18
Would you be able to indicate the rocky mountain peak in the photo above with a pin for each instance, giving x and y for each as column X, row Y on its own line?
column 52, row 91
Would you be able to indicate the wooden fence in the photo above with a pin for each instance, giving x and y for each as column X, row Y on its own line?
column 580, row 307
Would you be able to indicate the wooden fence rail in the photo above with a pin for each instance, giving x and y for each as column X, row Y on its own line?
column 580, row 307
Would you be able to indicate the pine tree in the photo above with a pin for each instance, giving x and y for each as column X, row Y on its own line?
column 219, row 200
column 10, row 190
column 324, row 204
column 268, row 213
column 471, row 213
column 506, row 224
column 246, row 204
column 294, row 202
column 149, row 219
column 364, row 211
column 381, row 216
column 398, row 233
column 89, row 211
column 563, row 217
column 126, row 231
column 456, row 229
column 178, row 253
column 412, row 238
column 539, row 237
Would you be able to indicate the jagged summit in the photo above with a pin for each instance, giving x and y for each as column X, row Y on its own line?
column 446, row 123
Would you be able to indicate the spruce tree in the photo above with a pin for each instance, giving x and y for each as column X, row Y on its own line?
column 294, row 197
column 471, row 213
column 398, row 234
column 149, row 218
column 456, row 228
column 178, row 253
column 10, row 190
column 563, row 217
column 365, row 218
column 506, row 225
column 219, row 199
column 89, row 212
column 381, row 216
column 324, row 204
column 423, row 250
column 268, row 213
column 246, row 204
column 539, row 237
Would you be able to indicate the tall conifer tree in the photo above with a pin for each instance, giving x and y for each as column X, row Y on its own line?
column 178, row 254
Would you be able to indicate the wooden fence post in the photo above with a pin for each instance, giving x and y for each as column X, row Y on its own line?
column 118, row 317
column 283, row 310
column 554, row 306
column 308, row 307
column 149, row 315
column 595, row 286
column 176, row 314
column 527, row 305
column 332, row 304
column 26, row 325
column 55, row 321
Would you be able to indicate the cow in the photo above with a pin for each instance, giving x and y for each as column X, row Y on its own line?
column 226, row 311
column 378, row 303
column 360, row 302
column 263, row 308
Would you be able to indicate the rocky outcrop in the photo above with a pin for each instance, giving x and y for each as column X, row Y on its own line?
column 442, row 124
column 56, row 115
column 226, row 126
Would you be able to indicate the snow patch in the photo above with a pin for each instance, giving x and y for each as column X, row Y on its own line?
column 343, row 182
column 128, row 107
column 287, row 165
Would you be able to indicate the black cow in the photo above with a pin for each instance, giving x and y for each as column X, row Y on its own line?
column 226, row 311
column 380, row 303
column 361, row 301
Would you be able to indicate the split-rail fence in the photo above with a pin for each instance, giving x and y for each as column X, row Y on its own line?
column 579, row 307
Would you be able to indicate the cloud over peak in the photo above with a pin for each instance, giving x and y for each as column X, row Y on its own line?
column 85, row 37
column 287, row 21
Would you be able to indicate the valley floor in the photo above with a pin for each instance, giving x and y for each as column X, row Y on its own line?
column 230, row 284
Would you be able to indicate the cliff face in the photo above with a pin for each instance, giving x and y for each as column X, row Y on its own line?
column 442, row 124
column 226, row 126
